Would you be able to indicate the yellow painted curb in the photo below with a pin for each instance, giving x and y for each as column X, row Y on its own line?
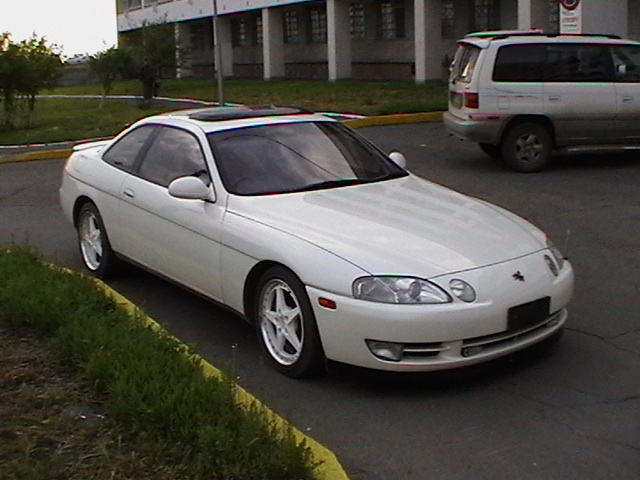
column 328, row 467
column 35, row 155
column 398, row 119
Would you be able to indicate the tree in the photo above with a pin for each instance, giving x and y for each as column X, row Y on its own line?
column 153, row 44
column 26, row 68
column 109, row 65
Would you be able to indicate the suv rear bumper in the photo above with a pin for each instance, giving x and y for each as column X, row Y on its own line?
column 485, row 130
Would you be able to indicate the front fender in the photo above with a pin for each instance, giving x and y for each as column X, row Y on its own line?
column 247, row 243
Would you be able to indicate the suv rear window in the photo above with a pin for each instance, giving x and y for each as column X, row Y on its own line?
column 464, row 63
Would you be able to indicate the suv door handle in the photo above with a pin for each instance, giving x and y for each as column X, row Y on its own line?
column 627, row 99
column 554, row 98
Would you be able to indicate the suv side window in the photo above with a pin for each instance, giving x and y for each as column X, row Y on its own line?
column 519, row 63
column 578, row 63
column 174, row 153
column 626, row 62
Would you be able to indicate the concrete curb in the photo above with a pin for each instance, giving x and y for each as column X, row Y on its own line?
column 328, row 467
column 63, row 150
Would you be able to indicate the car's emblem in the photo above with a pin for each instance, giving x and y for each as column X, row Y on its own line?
column 518, row 276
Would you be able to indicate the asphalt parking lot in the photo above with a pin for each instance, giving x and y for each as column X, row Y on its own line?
column 571, row 412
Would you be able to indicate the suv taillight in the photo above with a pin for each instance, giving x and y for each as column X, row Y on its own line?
column 471, row 100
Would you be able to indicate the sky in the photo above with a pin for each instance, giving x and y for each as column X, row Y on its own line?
column 77, row 26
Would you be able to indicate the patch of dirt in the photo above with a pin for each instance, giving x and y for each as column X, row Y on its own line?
column 52, row 425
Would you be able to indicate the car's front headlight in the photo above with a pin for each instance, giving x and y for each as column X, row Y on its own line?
column 557, row 256
column 389, row 289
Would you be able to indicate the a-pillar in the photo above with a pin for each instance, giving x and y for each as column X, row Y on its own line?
column 533, row 14
column 272, row 43
column 338, row 39
column 428, row 40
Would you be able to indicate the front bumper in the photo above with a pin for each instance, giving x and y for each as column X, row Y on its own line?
column 457, row 334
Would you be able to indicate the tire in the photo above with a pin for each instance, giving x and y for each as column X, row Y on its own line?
column 95, row 249
column 527, row 148
column 492, row 151
column 286, row 325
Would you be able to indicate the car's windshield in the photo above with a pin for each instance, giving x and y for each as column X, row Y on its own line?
column 292, row 157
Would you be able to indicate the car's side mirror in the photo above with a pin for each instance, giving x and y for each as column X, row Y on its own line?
column 191, row 188
column 398, row 159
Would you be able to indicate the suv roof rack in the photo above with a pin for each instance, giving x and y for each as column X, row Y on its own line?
column 500, row 34
column 216, row 114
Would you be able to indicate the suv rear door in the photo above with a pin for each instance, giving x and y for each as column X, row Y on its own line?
column 579, row 93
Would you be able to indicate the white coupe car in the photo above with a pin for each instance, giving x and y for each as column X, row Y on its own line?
column 330, row 247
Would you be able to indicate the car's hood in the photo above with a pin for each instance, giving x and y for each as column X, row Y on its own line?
column 403, row 226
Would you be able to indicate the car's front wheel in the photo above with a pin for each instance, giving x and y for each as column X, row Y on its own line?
column 95, row 249
column 527, row 147
column 286, row 325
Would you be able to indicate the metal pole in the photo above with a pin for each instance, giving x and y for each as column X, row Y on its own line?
column 217, row 53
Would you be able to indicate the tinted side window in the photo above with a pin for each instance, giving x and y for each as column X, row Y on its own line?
column 174, row 153
column 519, row 63
column 124, row 153
column 626, row 61
column 578, row 63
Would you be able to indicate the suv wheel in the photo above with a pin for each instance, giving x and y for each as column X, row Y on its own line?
column 527, row 147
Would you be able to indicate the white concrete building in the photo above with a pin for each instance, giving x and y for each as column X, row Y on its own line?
column 355, row 39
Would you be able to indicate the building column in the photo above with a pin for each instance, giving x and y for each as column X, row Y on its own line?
column 428, row 40
column 533, row 14
column 272, row 43
column 338, row 39
column 605, row 17
column 183, row 62
column 226, row 46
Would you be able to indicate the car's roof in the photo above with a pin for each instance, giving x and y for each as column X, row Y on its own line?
column 502, row 37
column 211, row 119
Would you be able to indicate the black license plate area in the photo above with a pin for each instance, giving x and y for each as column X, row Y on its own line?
column 528, row 314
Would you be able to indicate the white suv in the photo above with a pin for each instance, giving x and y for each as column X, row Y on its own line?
column 523, row 95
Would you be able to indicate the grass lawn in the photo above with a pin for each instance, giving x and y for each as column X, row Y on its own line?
column 61, row 119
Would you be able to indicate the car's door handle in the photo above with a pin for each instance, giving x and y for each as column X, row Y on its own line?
column 627, row 99
column 554, row 98
column 127, row 192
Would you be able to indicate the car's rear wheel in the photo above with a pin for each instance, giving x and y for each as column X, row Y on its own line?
column 286, row 325
column 95, row 249
column 527, row 147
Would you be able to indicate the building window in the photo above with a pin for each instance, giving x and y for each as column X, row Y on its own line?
column 291, row 27
column 259, row 38
column 201, row 35
column 486, row 15
column 356, row 19
column 318, row 19
column 448, row 15
column 392, row 20
column 239, row 32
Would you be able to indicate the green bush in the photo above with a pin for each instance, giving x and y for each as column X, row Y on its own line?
column 154, row 385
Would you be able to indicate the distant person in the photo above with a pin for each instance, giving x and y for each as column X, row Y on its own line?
column 148, row 77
